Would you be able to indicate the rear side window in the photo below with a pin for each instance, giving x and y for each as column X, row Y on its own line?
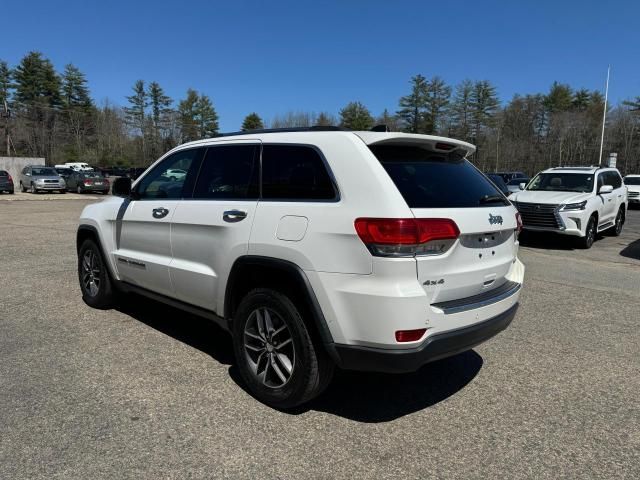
column 228, row 172
column 431, row 180
column 159, row 183
column 295, row 172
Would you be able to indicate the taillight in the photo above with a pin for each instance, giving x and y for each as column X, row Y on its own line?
column 407, row 237
column 409, row 335
column 10, row 179
column 88, row 182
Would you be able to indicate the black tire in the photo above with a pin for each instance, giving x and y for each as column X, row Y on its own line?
column 33, row 188
column 104, row 295
column 23, row 188
column 616, row 230
column 79, row 189
column 590, row 234
column 311, row 368
column 12, row 191
column 63, row 191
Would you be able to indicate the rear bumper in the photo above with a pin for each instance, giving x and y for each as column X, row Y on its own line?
column 435, row 347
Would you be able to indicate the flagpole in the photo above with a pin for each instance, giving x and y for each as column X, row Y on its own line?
column 604, row 113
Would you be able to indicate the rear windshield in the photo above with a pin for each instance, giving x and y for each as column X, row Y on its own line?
column 430, row 180
column 518, row 181
column 627, row 181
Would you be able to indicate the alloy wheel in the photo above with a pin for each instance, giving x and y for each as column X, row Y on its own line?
column 90, row 273
column 269, row 348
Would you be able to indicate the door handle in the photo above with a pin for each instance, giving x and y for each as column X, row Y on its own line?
column 160, row 212
column 232, row 216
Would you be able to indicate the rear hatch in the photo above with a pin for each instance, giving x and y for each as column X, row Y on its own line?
column 437, row 182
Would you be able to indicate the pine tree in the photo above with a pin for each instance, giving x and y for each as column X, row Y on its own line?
column 75, row 93
column 391, row 121
column 559, row 98
column 187, row 113
column 325, row 120
column 252, row 122
column 437, row 102
column 78, row 109
column 633, row 104
column 5, row 83
column 37, row 82
column 136, row 113
column 207, row 117
column 581, row 99
column 159, row 102
column 461, row 109
column 356, row 116
column 484, row 104
column 413, row 106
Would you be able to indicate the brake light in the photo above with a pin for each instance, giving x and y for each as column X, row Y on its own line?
column 10, row 179
column 407, row 237
column 410, row 335
column 88, row 182
column 444, row 146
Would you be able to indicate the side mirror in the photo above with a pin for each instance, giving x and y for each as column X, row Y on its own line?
column 606, row 189
column 522, row 185
column 121, row 187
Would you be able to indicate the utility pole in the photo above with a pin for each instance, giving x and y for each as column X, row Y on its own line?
column 6, row 114
column 604, row 114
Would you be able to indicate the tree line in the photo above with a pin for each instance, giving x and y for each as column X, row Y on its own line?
column 51, row 114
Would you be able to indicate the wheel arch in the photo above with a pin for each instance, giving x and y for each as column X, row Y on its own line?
column 89, row 232
column 252, row 271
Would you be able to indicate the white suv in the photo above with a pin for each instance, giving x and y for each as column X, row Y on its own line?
column 315, row 248
column 578, row 201
column 632, row 182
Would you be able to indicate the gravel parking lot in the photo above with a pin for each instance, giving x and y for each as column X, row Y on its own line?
column 150, row 392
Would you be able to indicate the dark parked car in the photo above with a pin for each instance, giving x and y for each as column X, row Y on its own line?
column 83, row 182
column 514, row 185
column 64, row 172
column 507, row 176
column 135, row 173
column 499, row 182
column 6, row 182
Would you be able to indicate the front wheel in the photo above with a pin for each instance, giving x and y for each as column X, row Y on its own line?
column 94, row 278
column 275, row 353
column 33, row 188
column 590, row 234
column 616, row 230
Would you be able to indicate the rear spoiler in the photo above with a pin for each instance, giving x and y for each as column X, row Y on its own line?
column 432, row 142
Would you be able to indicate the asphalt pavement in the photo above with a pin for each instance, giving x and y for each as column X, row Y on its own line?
column 150, row 392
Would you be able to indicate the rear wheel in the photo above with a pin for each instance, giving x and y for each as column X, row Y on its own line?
column 590, row 233
column 23, row 188
column 79, row 189
column 94, row 278
column 275, row 353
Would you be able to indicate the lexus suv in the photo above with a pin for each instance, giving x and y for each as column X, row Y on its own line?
column 578, row 201
column 632, row 183
column 316, row 248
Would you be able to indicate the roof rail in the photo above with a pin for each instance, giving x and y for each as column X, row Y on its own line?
column 317, row 128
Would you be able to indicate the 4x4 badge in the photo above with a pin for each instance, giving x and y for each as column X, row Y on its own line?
column 493, row 219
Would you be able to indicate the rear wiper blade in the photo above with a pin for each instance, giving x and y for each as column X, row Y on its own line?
column 492, row 199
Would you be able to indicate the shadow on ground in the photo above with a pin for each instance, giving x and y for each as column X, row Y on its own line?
column 363, row 397
column 632, row 250
column 192, row 330
column 550, row 240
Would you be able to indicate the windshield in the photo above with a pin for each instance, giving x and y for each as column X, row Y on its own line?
column 431, row 180
column 562, row 182
column 632, row 181
column 43, row 171
column 3, row 173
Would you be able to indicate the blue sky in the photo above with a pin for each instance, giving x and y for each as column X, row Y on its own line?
column 275, row 56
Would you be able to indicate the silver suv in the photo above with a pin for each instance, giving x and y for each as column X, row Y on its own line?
column 36, row 178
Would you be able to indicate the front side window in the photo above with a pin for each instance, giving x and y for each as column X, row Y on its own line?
column 614, row 179
column 295, row 172
column 563, row 182
column 228, row 171
column 159, row 183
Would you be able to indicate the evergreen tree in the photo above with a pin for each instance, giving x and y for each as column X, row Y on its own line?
column 325, row 120
column 391, row 121
column 437, row 101
column 5, row 83
column 413, row 106
column 356, row 116
column 207, row 117
column 159, row 102
column 136, row 113
column 559, row 98
column 252, row 122
column 75, row 93
column 37, row 82
column 78, row 110
column 484, row 104
column 187, row 113
column 634, row 105
column 581, row 99
column 461, row 109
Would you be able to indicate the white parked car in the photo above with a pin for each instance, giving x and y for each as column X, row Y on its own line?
column 77, row 166
column 315, row 248
column 632, row 183
column 176, row 174
column 578, row 201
